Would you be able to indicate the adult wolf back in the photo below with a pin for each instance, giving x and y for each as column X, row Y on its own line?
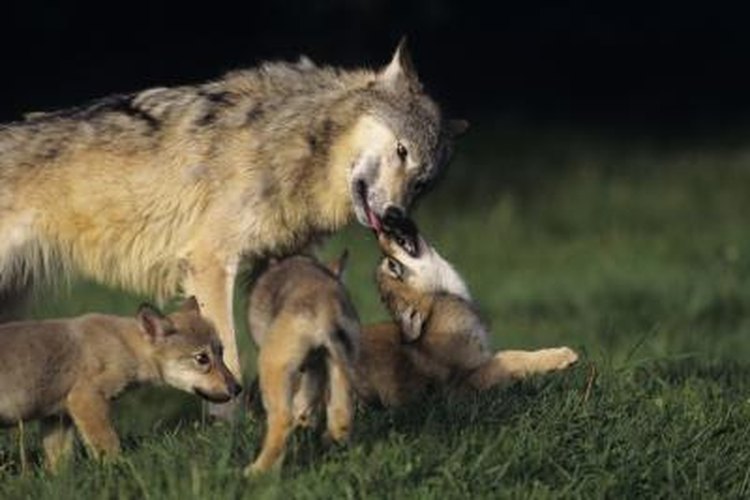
column 168, row 190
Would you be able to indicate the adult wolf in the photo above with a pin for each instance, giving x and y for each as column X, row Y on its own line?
column 168, row 190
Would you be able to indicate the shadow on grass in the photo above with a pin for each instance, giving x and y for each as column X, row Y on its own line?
column 440, row 416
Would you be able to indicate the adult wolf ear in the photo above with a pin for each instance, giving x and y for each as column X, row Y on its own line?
column 400, row 73
column 457, row 127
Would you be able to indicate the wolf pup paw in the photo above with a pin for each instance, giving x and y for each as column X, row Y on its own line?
column 565, row 357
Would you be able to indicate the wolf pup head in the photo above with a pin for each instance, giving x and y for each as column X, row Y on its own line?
column 403, row 142
column 188, row 351
column 411, row 274
column 410, row 263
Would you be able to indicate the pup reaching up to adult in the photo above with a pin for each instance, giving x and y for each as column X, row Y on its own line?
column 437, row 337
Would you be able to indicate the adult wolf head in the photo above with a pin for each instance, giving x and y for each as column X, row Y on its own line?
column 403, row 141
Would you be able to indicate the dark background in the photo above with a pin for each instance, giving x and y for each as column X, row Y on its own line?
column 661, row 68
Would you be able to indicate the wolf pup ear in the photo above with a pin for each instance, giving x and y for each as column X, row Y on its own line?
column 338, row 266
column 457, row 127
column 400, row 72
column 153, row 323
column 412, row 322
column 190, row 305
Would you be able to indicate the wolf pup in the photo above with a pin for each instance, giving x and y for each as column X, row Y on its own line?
column 174, row 188
column 438, row 337
column 303, row 321
column 65, row 371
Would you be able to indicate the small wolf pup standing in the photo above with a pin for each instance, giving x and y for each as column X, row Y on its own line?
column 168, row 190
column 65, row 372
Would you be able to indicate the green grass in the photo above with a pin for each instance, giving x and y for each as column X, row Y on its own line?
column 637, row 256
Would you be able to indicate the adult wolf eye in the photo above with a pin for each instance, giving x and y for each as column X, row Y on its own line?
column 202, row 358
column 401, row 151
column 419, row 186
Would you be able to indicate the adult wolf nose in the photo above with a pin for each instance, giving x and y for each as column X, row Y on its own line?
column 394, row 213
column 395, row 219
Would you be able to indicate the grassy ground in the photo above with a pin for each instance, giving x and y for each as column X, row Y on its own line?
column 637, row 256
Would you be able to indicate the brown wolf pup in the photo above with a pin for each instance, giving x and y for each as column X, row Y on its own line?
column 437, row 338
column 174, row 188
column 65, row 371
column 303, row 321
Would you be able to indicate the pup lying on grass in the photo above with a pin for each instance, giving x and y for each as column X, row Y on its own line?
column 65, row 370
column 438, row 337
column 302, row 319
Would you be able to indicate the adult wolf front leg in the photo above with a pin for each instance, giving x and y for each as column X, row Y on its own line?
column 210, row 279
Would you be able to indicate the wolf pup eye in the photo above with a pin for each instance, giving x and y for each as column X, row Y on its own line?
column 202, row 358
column 401, row 151
column 395, row 268
column 408, row 245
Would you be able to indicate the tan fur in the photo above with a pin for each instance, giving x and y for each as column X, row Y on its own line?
column 307, row 331
column 437, row 339
column 172, row 189
column 66, row 371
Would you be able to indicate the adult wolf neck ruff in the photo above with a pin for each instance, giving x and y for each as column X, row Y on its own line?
column 168, row 190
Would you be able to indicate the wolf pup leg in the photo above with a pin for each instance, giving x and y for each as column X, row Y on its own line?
column 525, row 363
column 277, row 382
column 90, row 412
column 339, row 407
column 307, row 399
column 507, row 366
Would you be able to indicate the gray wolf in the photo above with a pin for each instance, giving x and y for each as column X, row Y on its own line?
column 64, row 372
column 437, row 338
column 307, row 330
column 171, row 190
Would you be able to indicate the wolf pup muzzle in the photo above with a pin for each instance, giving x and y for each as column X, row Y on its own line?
column 402, row 230
column 232, row 390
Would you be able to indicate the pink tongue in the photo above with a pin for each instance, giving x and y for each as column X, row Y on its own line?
column 373, row 220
